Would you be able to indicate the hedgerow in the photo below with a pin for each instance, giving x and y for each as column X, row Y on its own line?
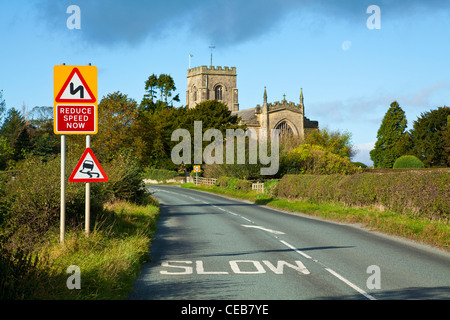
column 421, row 193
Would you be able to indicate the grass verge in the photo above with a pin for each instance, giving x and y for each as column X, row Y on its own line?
column 109, row 259
column 431, row 232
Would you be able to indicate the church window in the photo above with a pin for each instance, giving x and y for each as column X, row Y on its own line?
column 218, row 92
column 284, row 128
column 195, row 95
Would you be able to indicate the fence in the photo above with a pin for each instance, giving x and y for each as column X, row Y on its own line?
column 258, row 186
column 206, row 181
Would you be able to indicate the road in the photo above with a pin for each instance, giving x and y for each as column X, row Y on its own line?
column 209, row 247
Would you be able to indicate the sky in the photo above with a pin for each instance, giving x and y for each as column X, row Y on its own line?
column 350, row 72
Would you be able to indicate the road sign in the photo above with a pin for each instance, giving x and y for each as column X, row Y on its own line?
column 76, row 118
column 88, row 169
column 75, row 99
column 76, row 90
column 197, row 169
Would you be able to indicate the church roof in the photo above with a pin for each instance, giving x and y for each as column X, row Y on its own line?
column 248, row 116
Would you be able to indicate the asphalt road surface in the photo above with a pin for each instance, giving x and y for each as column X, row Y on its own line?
column 209, row 247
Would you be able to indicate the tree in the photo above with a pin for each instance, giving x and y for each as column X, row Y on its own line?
column 430, row 137
column 334, row 141
column 2, row 106
column 389, row 134
column 166, row 86
column 446, row 137
column 117, row 116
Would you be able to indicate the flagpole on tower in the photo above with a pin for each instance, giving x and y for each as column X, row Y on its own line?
column 211, row 47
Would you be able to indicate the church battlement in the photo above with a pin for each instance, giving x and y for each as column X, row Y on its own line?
column 211, row 70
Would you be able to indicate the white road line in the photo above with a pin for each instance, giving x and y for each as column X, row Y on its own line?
column 334, row 273
column 295, row 249
column 262, row 228
column 246, row 219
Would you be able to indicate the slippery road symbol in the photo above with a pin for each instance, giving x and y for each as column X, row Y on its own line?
column 87, row 168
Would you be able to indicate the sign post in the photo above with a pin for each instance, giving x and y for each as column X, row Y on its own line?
column 197, row 169
column 75, row 111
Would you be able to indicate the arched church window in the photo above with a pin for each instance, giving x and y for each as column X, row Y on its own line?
column 218, row 92
column 195, row 94
column 284, row 128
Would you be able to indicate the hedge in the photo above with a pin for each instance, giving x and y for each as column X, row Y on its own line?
column 421, row 193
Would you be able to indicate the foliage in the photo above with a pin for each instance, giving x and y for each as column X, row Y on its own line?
column 315, row 159
column 166, row 86
column 2, row 106
column 19, row 274
column 117, row 115
column 396, row 191
column 109, row 258
column 336, row 142
column 154, row 130
column 430, row 138
column 125, row 179
column 405, row 162
column 234, row 184
column 389, row 134
column 159, row 174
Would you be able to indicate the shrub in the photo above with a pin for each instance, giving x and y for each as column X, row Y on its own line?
column 408, row 162
column 314, row 159
column 159, row 174
column 425, row 193
column 32, row 202
column 125, row 180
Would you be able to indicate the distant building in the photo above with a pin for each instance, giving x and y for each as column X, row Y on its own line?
column 217, row 83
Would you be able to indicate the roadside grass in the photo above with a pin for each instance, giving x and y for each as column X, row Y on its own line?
column 109, row 258
column 431, row 232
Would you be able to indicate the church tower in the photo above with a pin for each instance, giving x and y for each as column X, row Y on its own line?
column 212, row 83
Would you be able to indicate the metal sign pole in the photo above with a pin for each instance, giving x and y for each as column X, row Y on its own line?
column 87, row 217
column 63, row 189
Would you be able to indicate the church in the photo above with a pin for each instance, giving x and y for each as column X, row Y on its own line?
column 217, row 83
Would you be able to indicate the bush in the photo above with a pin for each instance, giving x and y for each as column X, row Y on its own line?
column 159, row 174
column 125, row 180
column 425, row 193
column 408, row 162
column 32, row 202
column 314, row 159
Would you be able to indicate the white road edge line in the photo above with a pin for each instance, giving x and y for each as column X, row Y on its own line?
column 264, row 229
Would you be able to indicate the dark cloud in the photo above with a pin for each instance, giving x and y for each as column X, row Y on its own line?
column 226, row 22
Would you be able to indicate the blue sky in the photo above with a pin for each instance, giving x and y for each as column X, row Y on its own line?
column 349, row 73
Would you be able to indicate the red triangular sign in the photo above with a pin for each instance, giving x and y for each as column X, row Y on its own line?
column 88, row 169
column 75, row 89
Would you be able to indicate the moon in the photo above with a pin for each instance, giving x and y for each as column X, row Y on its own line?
column 346, row 45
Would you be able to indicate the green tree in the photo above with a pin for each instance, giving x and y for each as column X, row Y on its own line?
column 334, row 141
column 430, row 137
column 116, row 119
column 166, row 86
column 446, row 137
column 389, row 134
column 15, row 131
column 2, row 106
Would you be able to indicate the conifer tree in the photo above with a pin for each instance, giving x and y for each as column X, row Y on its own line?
column 389, row 134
